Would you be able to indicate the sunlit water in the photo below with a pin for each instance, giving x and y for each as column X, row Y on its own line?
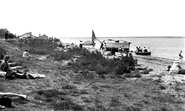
column 160, row 47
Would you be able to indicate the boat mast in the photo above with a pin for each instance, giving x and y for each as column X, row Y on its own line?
column 94, row 37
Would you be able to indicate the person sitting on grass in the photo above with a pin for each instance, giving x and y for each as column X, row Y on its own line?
column 26, row 54
column 80, row 45
column 10, row 74
column 176, row 68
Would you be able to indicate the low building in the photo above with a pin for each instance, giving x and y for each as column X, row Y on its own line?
column 26, row 35
column 43, row 36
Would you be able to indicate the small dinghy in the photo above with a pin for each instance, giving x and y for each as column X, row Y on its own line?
column 143, row 53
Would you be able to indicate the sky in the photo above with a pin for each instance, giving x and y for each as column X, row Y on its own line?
column 108, row 18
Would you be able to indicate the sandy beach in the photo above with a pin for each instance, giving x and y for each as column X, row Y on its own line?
column 158, row 64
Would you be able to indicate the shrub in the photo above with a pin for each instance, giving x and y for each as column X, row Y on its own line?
column 96, row 62
column 122, row 68
column 100, row 69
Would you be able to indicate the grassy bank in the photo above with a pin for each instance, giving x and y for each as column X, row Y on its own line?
column 93, row 61
column 74, row 82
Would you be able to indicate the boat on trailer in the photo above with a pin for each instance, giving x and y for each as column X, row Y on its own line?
column 117, row 44
column 109, row 44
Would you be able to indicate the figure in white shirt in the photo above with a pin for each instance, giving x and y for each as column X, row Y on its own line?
column 176, row 67
column 26, row 54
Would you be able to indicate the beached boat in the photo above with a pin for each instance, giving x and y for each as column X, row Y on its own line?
column 143, row 53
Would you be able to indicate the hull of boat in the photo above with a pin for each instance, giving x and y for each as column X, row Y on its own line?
column 143, row 53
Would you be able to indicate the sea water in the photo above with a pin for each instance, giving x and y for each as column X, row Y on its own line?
column 165, row 47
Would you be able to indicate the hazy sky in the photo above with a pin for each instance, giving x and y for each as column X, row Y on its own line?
column 77, row 18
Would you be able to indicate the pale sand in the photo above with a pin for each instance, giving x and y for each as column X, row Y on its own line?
column 158, row 64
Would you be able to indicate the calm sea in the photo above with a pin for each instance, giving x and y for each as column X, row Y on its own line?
column 159, row 46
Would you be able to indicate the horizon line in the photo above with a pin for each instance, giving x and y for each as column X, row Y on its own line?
column 136, row 36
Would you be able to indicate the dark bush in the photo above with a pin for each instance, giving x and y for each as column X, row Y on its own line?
column 122, row 68
column 11, row 36
column 96, row 62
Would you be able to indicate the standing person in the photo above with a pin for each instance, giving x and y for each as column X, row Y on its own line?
column 132, row 63
column 180, row 55
column 80, row 45
column 6, row 35
column 101, row 46
column 137, row 49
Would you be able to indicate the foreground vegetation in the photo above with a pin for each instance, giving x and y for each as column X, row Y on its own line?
column 79, row 80
column 86, row 60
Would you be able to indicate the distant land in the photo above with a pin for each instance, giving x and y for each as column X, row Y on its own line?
column 133, row 37
column 153, row 37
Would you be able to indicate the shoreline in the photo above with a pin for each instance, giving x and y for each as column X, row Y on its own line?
column 167, row 48
column 158, row 64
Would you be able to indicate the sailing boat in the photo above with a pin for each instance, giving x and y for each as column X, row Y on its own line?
column 90, row 43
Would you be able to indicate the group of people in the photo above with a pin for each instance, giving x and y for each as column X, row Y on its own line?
column 176, row 68
column 139, row 49
column 11, row 74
